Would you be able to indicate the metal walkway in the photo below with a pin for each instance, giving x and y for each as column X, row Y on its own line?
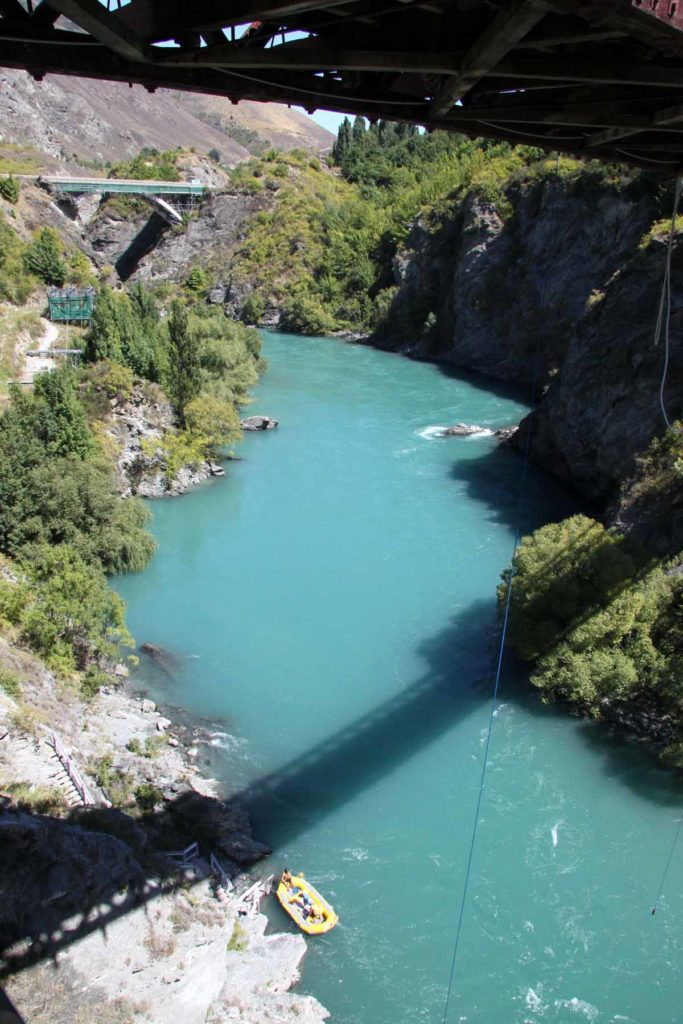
column 127, row 186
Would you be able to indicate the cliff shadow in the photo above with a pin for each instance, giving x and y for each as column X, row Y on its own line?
column 146, row 239
column 493, row 480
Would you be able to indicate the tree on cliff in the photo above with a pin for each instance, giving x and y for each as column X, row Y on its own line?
column 44, row 257
column 183, row 382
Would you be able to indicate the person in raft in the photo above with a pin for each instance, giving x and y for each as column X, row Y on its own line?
column 286, row 878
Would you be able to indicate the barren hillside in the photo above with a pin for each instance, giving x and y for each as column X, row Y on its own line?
column 76, row 120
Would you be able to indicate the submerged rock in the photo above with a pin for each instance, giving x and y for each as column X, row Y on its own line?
column 463, row 430
column 258, row 423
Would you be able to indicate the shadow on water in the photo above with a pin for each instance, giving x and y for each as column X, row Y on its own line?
column 44, row 903
column 298, row 795
column 509, row 390
column 493, row 481
column 45, row 906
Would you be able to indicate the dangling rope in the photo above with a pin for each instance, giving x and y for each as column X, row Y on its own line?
column 664, row 314
column 668, row 865
column 499, row 664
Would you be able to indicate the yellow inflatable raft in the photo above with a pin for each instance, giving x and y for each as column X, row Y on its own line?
column 306, row 906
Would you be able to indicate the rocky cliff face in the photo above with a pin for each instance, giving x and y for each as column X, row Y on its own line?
column 559, row 291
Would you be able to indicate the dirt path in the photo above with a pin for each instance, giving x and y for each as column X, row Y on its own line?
column 36, row 364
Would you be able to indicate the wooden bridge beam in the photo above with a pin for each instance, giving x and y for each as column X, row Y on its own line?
column 553, row 68
column 506, row 30
column 304, row 56
column 100, row 24
column 661, row 121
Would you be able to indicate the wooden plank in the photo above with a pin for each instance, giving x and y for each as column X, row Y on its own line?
column 96, row 20
column 559, row 69
column 314, row 58
column 503, row 33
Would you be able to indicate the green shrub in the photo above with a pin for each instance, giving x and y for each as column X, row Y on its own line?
column 239, row 940
column 599, row 620
column 306, row 314
column 36, row 799
column 10, row 188
column 253, row 309
column 92, row 682
column 148, row 796
column 44, row 257
column 114, row 379
column 10, row 683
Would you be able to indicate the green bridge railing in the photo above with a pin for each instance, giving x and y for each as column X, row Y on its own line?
column 125, row 185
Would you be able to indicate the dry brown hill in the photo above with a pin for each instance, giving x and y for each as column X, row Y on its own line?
column 78, row 120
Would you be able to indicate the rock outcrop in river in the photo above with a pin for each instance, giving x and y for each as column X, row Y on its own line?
column 559, row 291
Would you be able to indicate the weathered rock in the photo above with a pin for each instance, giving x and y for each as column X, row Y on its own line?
column 258, row 423
column 218, row 824
column 555, row 290
column 504, row 434
column 148, row 706
column 163, row 724
column 462, row 430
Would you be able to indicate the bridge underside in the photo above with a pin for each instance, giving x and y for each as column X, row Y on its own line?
column 597, row 78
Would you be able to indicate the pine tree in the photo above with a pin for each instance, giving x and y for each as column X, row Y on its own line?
column 43, row 257
column 341, row 147
column 183, row 376
column 358, row 132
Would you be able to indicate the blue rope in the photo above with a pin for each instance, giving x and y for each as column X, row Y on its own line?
column 499, row 666
column 668, row 864
column 494, row 705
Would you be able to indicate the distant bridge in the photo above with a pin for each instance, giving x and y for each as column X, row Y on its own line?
column 184, row 192
column 596, row 78
column 126, row 186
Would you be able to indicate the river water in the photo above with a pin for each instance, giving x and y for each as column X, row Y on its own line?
column 331, row 604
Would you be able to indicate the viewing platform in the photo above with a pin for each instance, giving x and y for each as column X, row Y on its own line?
column 125, row 186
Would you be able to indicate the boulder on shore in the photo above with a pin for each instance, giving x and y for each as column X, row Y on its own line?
column 258, row 423
column 463, row 430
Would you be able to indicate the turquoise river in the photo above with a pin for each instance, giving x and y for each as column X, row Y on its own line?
column 331, row 603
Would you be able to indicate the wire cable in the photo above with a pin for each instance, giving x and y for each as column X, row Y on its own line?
column 668, row 864
column 499, row 663
column 664, row 312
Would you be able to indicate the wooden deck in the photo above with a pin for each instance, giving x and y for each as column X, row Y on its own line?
column 597, row 78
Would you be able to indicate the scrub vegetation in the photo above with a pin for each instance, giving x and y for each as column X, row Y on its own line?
column 324, row 252
column 599, row 618
column 63, row 526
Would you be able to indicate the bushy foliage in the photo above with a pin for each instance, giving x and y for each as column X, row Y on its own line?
column 253, row 309
column 325, row 250
column 55, row 486
column 10, row 188
column 182, row 376
column 65, row 610
column 16, row 280
column 601, row 622
column 149, row 165
column 44, row 257
column 123, row 330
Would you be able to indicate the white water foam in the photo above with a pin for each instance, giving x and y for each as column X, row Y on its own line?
column 534, row 1001
column 579, row 1007
column 432, row 433
column 553, row 832
column 356, row 853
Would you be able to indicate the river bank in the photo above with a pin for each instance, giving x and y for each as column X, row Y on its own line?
column 198, row 949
